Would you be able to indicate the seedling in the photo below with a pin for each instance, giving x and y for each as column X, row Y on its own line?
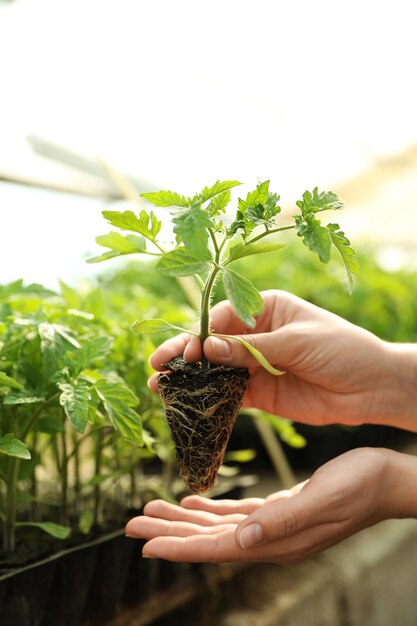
column 202, row 401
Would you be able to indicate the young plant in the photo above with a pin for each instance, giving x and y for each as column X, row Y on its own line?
column 59, row 388
column 202, row 401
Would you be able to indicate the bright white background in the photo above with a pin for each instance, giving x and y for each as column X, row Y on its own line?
column 182, row 93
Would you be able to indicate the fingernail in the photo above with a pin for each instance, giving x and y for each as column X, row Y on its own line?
column 220, row 347
column 149, row 556
column 250, row 536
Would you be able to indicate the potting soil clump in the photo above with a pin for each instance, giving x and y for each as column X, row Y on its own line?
column 201, row 406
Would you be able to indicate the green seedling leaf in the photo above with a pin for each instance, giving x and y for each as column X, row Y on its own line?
column 218, row 204
column 191, row 226
column 11, row 446
column 146, row 224
column 55, row 530
column 241, row 250
column 258, row 196
column 91, row 351
column 245, row 298
column 50, row 425
column 55, row 343
column 254, row 352
column 165, row 198
column 342, row 243
column 118, row 399
column 228, row 470
column 74, row 399
column 25, row 396
column 218, row 188
column 86, row 521
column 283, row 427
column 240, row 456
column 155, row 327
column 315, row 236
column 315, row 202
column 119, row 245
column 180, row 262
column 8, row 381
column 122, row 244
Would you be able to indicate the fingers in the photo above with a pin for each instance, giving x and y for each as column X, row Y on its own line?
column 222, row 507
column 215, row 548
column 280, row 520
column 145, row 527
column 173, row 512
column 231, row 352
column 167, row 350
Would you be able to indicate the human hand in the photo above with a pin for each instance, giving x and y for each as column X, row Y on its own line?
column 349, row 493
column 335, row 371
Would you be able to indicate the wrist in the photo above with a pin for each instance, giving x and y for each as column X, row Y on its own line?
column 396, row 395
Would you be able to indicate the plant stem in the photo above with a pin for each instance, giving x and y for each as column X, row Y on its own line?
column 9, row 538
column 77, row 482
column 34, row 483
column 97, row 470
column 205, row 310
column 206, row 295
column 32, row 420
column 64, row 481
column 269, row 232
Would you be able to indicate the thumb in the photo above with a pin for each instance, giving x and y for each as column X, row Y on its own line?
column 278, row 520
column 224, row 351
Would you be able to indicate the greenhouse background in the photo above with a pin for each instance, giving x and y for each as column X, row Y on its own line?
column 102, row 101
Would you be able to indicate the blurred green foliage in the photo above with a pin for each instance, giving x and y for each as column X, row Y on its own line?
column 384, row 302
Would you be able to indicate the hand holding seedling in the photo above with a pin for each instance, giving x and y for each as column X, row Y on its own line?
column 335, row 371
column 352, row 492
column 201, row 401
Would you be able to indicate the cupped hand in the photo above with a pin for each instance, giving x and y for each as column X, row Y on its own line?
column 335, row 371
column 349, row 493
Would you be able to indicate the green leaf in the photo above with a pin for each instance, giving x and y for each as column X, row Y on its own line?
column 218, row 188
column 51, row 425
column 240, row 456
column 56, row 530
column 315, row 202
column 119, row 245
column 146, row 224
column 26, row 396
column 123, row 244
column 342, row 243
column 86, row 521
column 8, row 381
column 283, row 427
column 244, row 297
column 155, row 327
column 258, row 196
column 118, row 399
column 55, row 342
column 74, row 399
column 315, row 236
column 180, row 262
column 218, row 204
column 11, row 446
column 241, row 250
column 255, row 353
column 192, row 227
column 91, row 351
column 165, row 198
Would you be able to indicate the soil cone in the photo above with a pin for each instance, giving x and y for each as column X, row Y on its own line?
column 201, row 407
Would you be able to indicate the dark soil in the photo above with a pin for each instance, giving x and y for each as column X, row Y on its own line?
column 201, row 406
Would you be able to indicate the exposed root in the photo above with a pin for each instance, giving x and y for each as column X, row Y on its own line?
column 201, row 407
